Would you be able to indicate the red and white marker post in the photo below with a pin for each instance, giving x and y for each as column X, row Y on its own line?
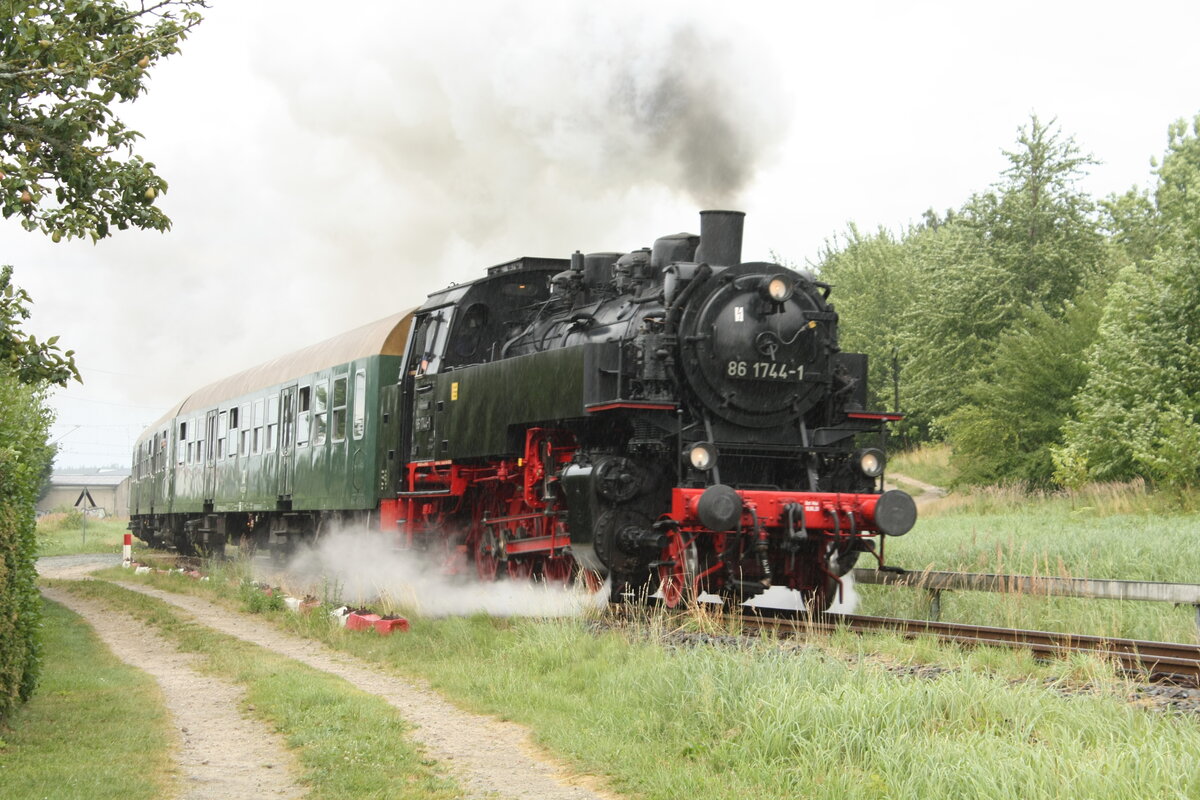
column 127, row 551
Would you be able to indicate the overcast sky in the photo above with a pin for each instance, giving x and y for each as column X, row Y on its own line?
column 328, row 168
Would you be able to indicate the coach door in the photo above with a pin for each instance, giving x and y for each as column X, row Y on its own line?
column 210, row 461
column 287, row 441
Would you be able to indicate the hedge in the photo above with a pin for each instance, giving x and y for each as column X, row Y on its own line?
column 25, row 458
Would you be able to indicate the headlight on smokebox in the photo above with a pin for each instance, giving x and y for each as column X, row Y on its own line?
column 777, row 288
column 870, row 462
column 701, row 456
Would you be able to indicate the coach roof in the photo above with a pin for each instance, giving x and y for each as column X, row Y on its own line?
column 385, row 337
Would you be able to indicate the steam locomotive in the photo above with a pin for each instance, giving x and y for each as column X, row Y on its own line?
column 670, row 418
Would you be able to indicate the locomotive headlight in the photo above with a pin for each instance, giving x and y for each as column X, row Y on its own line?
column 702, row 456
column 869, row 462
column 777, row 288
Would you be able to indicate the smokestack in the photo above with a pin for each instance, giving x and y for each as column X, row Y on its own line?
column 720, row 238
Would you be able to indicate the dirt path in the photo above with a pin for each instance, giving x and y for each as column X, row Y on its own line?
column 489, row 758
column 222, row 755
column 929, row 492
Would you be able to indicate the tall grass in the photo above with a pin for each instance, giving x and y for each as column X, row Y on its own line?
column 929, row 463
column 66, row 533
column 1105, row 531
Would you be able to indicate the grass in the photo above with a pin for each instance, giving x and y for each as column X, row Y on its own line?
column 768, row 722
column 95, row 729
column 1119, row 532
column 61, row 534
column 351, row 745
column 928, row 464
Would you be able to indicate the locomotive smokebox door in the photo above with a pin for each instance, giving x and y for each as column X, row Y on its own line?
column 755, row 359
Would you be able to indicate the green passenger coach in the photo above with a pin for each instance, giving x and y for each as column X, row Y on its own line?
column 278, row 451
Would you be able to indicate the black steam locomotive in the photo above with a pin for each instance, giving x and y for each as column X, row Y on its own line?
column 671, row 418
column 677, row 419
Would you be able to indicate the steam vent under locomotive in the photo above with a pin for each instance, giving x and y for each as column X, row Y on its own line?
column 672, row 418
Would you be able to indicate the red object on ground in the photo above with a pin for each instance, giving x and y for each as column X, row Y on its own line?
column 361, row 622
column 385, row 627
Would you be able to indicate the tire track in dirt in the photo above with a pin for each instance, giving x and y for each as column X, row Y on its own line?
column 489, row 758
column 222, row 755
column 929, row 492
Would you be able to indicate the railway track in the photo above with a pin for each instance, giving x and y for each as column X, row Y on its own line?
column 1167, row 662
column 1162, row 662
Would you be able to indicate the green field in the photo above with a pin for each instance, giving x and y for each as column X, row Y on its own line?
column 68, row 533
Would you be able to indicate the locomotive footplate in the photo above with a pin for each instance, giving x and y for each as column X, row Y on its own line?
column 841, row 515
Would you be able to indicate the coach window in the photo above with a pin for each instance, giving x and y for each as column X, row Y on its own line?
column 320, row 419
column 272, row 422
column 180, row 447
column 259, row 418
column 360, row 404
column 304, row 411
column 232, row 448
column 222, row 432
column 339, row 409
column 244, row 427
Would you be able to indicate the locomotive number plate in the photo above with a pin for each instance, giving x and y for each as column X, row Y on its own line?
column 764, row 370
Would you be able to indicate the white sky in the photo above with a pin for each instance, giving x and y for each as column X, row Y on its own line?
column 327, row 169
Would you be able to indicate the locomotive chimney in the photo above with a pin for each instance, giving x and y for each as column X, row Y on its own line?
column 720, row 238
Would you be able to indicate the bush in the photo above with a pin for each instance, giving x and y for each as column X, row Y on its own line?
column 61, row 519
column 24, row 459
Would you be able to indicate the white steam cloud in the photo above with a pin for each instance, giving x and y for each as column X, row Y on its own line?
column 475, row 134
column 360, row 567
column 783, row 597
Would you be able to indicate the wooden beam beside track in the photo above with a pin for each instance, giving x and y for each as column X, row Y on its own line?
column 1091, row 588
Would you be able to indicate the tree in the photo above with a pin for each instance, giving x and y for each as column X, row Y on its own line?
column 1006, row 268
column 1139, row 412
column 32, row 362
column 1016, row 410
column 1036, row 224
column 873, row 282
column 67, row 165
column 1178, row 192
column 67, row 168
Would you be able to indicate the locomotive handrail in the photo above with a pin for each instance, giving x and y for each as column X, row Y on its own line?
column 936, row 582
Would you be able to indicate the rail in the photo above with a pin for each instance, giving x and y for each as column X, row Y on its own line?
column 1173, row 662
column 935, row 583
